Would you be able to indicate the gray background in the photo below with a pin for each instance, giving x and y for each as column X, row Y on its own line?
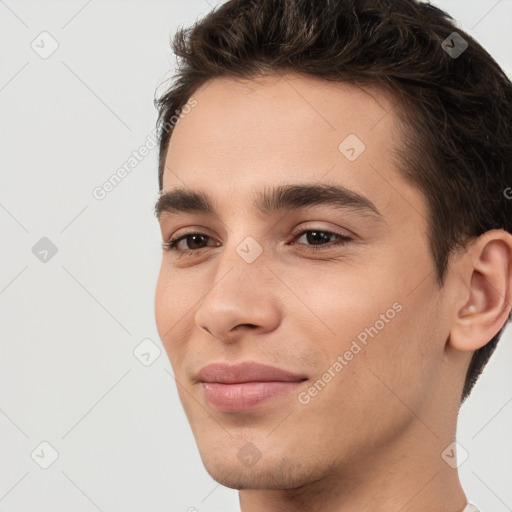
column 70, row 324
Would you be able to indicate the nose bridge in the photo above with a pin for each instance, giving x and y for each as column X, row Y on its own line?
column 239, row 292
column 243, row 256
column 239, row 272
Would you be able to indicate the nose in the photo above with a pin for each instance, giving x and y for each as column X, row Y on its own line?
column 240, row 299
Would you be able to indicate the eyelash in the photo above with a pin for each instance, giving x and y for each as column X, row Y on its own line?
column 171, row 245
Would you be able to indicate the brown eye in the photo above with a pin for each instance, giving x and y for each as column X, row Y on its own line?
column 318, row 238
column 193, row 242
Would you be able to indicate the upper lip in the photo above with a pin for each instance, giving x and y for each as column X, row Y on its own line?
column 246, row 371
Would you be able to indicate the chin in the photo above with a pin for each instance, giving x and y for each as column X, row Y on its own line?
column 277, row 471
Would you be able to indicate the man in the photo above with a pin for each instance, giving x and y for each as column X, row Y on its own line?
column 337, row 233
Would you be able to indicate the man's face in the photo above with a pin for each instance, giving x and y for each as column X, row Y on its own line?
column 359, row 324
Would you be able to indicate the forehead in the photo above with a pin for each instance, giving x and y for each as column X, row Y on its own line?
column 244, row 135
column 294, row 110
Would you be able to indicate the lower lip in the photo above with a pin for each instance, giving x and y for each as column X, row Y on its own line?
column 246, row 395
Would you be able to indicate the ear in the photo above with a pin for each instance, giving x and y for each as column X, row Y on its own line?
column 485, row 293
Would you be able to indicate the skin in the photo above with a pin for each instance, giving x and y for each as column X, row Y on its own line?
column 372, row 438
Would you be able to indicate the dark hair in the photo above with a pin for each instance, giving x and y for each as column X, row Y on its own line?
column 455, row 110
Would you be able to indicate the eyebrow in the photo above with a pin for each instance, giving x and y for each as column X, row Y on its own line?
column 270, row 200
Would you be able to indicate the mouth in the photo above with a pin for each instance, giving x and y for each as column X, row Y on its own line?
column 245, row 385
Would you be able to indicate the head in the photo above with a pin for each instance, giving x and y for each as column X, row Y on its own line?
column 296, row 107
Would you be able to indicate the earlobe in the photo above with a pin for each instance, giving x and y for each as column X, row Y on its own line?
column 488, row 291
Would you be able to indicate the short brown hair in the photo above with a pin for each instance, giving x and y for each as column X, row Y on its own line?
column 455, row 111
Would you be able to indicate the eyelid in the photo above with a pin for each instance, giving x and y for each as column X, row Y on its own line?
column 315, row 227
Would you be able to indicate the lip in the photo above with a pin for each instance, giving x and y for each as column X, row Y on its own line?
column 245, row 385
column 245, row 371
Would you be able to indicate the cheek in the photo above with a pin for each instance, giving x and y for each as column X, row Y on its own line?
column 345, row 301
column 371, row 306
column 162, row 298
column 170, row 307
column 177, row 297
